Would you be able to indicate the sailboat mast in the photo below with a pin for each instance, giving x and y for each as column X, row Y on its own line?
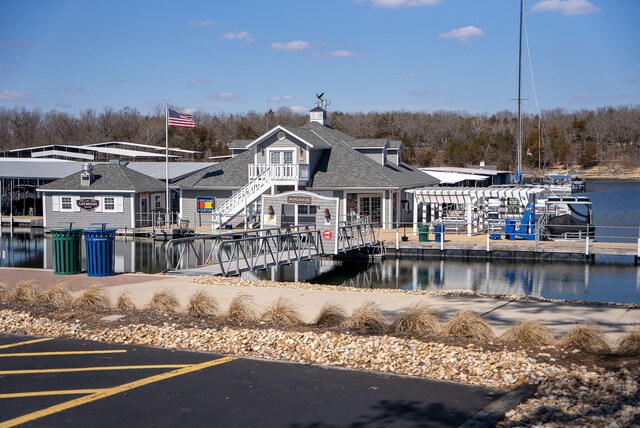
column 519, row 170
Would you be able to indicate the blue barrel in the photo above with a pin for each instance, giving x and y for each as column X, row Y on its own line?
column 100, row 251
column 438, row 231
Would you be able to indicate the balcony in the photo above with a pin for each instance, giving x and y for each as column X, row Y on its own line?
column 282, row 173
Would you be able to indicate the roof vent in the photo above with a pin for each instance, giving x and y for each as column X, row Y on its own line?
column 86, row 176
column 319, row 115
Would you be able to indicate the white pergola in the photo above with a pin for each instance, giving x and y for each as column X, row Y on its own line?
column 470, row 199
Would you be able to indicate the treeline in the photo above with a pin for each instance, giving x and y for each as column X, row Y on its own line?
column 583, row 138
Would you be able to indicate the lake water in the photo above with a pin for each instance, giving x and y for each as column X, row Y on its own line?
column 609, row 279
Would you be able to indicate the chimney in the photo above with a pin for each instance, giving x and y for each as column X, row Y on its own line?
column 318, row 115
column 86, row 176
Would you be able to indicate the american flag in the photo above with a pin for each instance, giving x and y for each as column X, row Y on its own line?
column 180, row 120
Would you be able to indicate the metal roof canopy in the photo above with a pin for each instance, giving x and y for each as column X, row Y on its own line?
column 446, row 177
column 467, row 195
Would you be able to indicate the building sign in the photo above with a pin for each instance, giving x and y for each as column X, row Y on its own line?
column 300, row 200
column 88, row 204
column 205, row 205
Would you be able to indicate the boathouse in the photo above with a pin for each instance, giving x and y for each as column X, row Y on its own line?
column 366, row 175
column 103, row 193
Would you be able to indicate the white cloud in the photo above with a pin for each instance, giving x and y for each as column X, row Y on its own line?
column 223, row 96
column 202, row 24
column 566, row 7
column 404, row 3
column 13, row 95
column 462, row 34
column 238, row 35
column 295, row 45
column 197, row 82
column 281, row 99
column 299, row 109
column 341, row 54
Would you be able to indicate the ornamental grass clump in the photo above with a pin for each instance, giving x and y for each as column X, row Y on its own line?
column 468, row 325
column 419, row 320
column 201, row 304
column 241, row 309
column 94, row 297
column 125, row 302
column 4, row 294
column 587, row 337
column 282, row 313
column 25, row 292
column 164, row 301
column 629, row 344
column 367, row 319
column 331, row 315
column 58, row 296
column 528, row 333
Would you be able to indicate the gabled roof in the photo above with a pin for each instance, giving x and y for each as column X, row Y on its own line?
column 340, row 166
column 110, row 177
column 239, row 144
column 232, row 173
column 369, row 143
column 300, row 134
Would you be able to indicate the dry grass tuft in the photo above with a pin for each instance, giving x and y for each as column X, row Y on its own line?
column 164, row 301
column 586, row 337
column 201, row 304
column 419, row 320
column 468, row 325
column 629, row 344
column 58, row 296
column 94, row 297
column 4, row 293
column 367, row 319
column 241, row 309
column 331, row 315
column 283, row 313
column 528, row 333
column 26, row 292
column 124, row 302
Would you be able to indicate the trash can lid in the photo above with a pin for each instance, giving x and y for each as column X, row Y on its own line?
column 65, row 230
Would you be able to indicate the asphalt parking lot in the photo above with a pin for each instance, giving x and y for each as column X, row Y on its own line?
column 63, row 382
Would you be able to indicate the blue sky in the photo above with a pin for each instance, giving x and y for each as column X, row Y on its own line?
column 366, row 55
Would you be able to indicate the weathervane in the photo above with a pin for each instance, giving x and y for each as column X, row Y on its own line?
column 322, row 102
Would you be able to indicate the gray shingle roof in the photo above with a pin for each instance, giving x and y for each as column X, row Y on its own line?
column 339, row 167
column 239, row 144
column 109, row 177
column 232, row 173
column 369, row 142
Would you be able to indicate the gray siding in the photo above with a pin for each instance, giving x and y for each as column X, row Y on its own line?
column 189, row 204
column 373, row 154
column 273, row 142
column 84, row 218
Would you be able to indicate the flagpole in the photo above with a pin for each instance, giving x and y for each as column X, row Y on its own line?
column 166, row 158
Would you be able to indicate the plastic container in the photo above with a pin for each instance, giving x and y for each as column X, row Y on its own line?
column 438, row 231
column 510, row 229
column 423, row 233
column 100, row 251
column 67, row 257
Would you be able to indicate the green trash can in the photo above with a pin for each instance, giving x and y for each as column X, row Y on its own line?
column 423, row 233
column 67, row 257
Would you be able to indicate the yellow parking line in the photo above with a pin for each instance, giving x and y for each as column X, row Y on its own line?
column 90, row 369
column 41, row 354
column 26, row 342
column 45, row 393
column 111, row 391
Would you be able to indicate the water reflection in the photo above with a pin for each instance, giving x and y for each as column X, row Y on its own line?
column 567, row 281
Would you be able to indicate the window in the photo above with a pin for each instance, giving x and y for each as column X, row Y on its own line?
column 281, row 157
column 157, row 201
column 109, row 203
column 288, row 157
column 307, row 209
column 65, row 203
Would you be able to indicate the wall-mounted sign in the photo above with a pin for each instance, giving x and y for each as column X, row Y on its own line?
column 205, row 205
column 300, row 200
column 327, row 234
column 88, row 204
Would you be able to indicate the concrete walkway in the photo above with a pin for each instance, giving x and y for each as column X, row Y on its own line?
column 559, row 317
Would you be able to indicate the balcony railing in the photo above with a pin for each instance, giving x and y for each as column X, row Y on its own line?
column 292, row 172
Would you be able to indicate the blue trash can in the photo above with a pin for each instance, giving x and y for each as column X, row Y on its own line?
column 510, row 229
column 438, row 231
column 100, row 251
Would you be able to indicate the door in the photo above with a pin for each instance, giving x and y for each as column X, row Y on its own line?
column 144, row 211
column 371, row 207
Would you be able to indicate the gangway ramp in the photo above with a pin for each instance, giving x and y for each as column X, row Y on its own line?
column 234, row 252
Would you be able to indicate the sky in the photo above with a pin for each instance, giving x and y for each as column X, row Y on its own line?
column 365, row 55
